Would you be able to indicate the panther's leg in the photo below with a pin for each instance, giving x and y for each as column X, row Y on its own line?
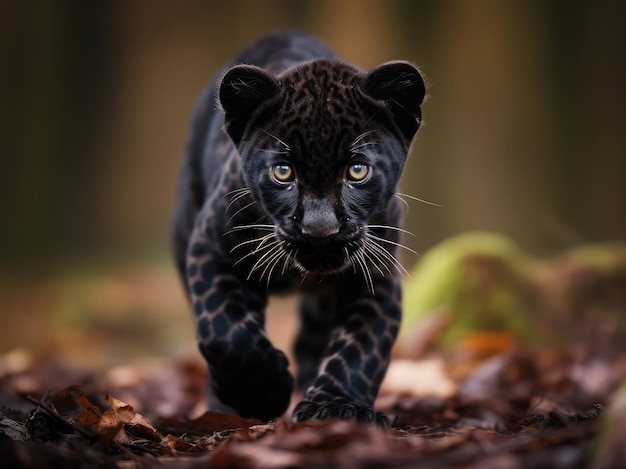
column 247, row 373
column 364, row 329
column 315, row 322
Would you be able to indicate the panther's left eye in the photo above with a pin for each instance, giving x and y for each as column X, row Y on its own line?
column 357, row 172
column 283, row 173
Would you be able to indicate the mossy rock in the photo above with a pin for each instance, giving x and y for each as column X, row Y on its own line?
column 482, row 280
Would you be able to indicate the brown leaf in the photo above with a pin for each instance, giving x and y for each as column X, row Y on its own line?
column 427, row 377
column 108, row 436
column 485, row 344
column 178, row 444
column 134, row 424
column 90, row 415
column 317, row 443
column 207, row 424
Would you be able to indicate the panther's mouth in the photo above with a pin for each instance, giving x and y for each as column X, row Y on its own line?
column 363, row 250
column 327, row 259
column 337, row 255
column 317, row 256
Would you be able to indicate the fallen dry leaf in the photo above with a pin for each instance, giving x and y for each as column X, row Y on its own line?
column 90, row 416
column 206, row 424
column 418, row 378
column 122, row 416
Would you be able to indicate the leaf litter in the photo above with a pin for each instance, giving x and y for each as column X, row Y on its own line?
column 515, row 409
column 492, row 400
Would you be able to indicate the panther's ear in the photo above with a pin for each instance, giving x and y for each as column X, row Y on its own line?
column 401, row 86
column 242, row 90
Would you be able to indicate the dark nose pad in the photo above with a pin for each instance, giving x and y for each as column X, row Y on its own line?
column 319, row 226
column 319, row 241
column 319, row 231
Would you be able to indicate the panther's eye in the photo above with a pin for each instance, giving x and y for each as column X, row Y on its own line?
column 283, row 173
column 358, row 172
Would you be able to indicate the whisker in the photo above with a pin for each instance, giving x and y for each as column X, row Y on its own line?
column 406, row 205
column 380, row 254
column 284, row 255
column 371, row 118
column 384, row 253
column 250, row 227
column 263, row 247
column 237, row 191
column 356, row 148
column 236, row 197
column 349, row 260
column 275, row 152
column 393, row 261
column 260, row 247
column 262, row 239
column 239, row 211
column 374, row 259
column 303, row 272
column 287, row 147
column 360, row 137
column 366, row 272
column 286, row 263
column 267, row 257
column 271, row 264
column 389, row 227
column 383, row 240
column 400, row 195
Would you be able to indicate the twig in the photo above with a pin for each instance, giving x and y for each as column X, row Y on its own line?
column 55, row 415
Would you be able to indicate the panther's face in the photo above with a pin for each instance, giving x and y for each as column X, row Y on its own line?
column 323, row 147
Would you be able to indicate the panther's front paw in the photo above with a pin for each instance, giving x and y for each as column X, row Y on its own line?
column 341, row 408
column 258, row 390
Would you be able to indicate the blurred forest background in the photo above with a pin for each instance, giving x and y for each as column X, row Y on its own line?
column 524, row 135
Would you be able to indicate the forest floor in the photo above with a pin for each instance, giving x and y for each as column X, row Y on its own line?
column 511, row 410
column 488, row 402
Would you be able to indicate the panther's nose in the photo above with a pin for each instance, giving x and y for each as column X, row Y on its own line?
column 319, row 224
column 319, row 232
column 319, row 241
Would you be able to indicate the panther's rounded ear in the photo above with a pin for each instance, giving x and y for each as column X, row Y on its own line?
column 242, row 90
column 400, row 85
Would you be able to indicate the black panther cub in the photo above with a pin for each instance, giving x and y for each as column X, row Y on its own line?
column 288, row 182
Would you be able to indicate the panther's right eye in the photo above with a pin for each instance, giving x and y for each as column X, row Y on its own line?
column 358, row 172
column 283, row 173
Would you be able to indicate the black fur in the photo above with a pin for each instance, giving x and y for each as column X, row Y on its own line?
column 289, row 183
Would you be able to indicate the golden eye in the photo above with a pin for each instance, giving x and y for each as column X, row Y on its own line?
column 358, row 172
column 283, row 173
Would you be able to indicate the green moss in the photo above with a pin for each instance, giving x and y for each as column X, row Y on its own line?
column 482, row 279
